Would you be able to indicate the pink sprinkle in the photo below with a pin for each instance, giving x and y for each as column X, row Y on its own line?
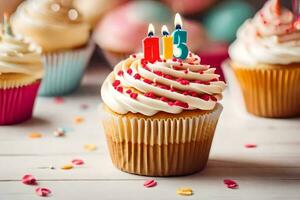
column 168, row 76
column 120, row 73
column 174, row 59
column 181, row 104
column 137, row 76
column 159, row 73
column 128, row 91
column 186, row 71
column 134, row 95
column 171, row 103
column 119, row 89
column 231, row 184
column 147, row 81
column 250, row 146
column 129, row 71
column 59, row 100
column 165, row 87
column 150, row 95
column 29, row 180
column 116, row 83
column 43, row 192
column 164, row 99
column 185, row 93
column 194, row 94
column 78, row 162
column 183, row 81
column 150, row 183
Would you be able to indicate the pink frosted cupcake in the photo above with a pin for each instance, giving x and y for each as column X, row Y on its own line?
column 21, row 72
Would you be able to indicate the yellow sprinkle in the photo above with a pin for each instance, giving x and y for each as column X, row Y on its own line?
column 34, row 135
column 90, row 147
column 184, row 191
column 67, row 167
column 78, row 120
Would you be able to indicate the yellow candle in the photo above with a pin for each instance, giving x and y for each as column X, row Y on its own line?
column 167, row 43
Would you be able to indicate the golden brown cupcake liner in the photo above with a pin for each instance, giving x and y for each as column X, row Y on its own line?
column 270, row 91
column 152, row 146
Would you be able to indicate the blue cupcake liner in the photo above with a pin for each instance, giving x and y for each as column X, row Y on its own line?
column 64, row 71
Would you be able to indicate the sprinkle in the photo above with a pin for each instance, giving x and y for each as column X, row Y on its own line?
column 165, row 87
column 205, row 97
column 84, row 106
column 159, row 73
column 231, row 184
column 150, row 95
column 150, row 183
column 186, row 71
column 34, row 135
column 29, row 180
column 164, row 99
column 171, row 103
column 129, row 91
column 119, row 89
column 59, row 132
column 43, row 192
column 67, row 167
column 137, row 76
column 120, row 73
column 200, row 72
column 181, row 104
column 174, row 59
column 134, row 95
column 90, row 147
column 214, row 80
column 116, row 83
column 184, row 191
column 133, row 55
column 129, row 71
column 250, row 146
column 78, row 120
column 183, row 81
column 213, row 98
column 58, row 100
column 147, row 81
column 77, row 162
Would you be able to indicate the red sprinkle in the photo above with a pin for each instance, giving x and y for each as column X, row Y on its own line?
column 200, row 72
column 150, row 95
column 165, row 87
column 213, row 98
column 164, row 99
column 186, row 71
column 128, row 91
column 133, row 55
column 181, row 104
column 29, row 180
column 183, row 81
column 159, row 73
column 231, row 184
column 119, row 89
column 214, row 80
column 137, row 76
column 150, row 183
column 120, row 73
column 43, row 192
column 59, row 100
column 134, row 95
column 174, row 59
column 205, row 97
column 77, row 162
column 116, row 83
column 171, row 103
column 129, row 71
column 250, row 146
column 147, row 81
column 168, row 77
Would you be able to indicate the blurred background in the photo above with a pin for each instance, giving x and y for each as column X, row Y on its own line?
column 120, row 25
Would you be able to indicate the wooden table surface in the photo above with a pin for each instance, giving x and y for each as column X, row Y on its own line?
column 270, row 171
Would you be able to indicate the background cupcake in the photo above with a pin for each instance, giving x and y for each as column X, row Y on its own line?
column 266, row 62
column 160, row 120
column 59, row 29
column 21, row 72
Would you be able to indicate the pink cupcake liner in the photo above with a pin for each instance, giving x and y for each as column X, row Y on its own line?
column 16, row 104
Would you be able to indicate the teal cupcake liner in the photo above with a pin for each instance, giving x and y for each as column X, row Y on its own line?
column 64, row 71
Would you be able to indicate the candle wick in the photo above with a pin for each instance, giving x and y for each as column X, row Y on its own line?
column 165, row 33
column 150, row 34
column 178, row 27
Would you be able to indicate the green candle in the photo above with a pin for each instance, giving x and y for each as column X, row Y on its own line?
column 7, row 26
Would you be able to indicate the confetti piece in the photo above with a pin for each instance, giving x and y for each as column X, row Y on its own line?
column 58, row 100
column 77, row 162
column 78, row 120
column 67, row 167
column 231, row 184
column 184, row 191
column 35, row 135
column 150, row 183
column 84, row 106
column 250, row 145
column 43, row 192
column 90, row 147
column 59, row 132
column 29, row 180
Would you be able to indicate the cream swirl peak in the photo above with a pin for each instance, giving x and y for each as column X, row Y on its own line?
column 53, row 24
column 169, row 86
column 271, row 37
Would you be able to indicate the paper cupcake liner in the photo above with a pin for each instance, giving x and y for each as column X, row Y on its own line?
column 16, row 104
column 152, row 146
column 270, row 91
column 64, row 71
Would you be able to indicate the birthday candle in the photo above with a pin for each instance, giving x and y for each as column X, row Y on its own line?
column 151, row 46
column 7, row 27
column 179, row 39
column 167, row 42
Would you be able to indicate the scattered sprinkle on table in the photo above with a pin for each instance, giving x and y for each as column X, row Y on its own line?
column 250, row 145
column 90, row 147
column 34, row 135
column 43, row 192
column 184, row 191
column 84, row 106
column 77, row 162
column 231, row 184
column 28, row 179
column 67, row 167
column 58, row 100
column 78, row 120
column 60, row 132
column 150, row 183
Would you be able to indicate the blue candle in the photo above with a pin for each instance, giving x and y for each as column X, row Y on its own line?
column 180, row 49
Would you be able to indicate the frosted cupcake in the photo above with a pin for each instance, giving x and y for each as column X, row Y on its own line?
column 160, row 118
column 265, row 59
column 64, row 37
column 21, row 71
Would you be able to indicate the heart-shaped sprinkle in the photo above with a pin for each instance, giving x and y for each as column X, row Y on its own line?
column 29, row 180
column 43, row 192
column 150, row 183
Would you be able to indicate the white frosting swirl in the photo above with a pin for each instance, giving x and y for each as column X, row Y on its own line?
column 169, row 86
column 269, row 38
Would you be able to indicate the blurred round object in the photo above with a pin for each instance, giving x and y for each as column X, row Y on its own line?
column 93, row 10
column 8, row 6
column 223, row 21
column 189, row 6
column 196, row 34
column 121, row 32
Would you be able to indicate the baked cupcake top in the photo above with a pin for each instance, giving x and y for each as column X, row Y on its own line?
column 169, row 86
column 18, row 57
column 53, row 24
column 271, row 37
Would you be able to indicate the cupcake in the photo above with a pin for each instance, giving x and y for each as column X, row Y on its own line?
column 266, row 62
column 59, row 29
column 160, row 118
column 21, row 71
column 189, row 7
